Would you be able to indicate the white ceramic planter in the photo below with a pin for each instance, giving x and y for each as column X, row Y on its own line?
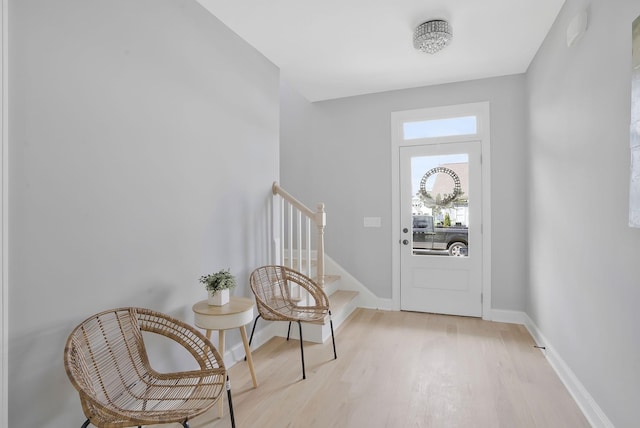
column 218, row 298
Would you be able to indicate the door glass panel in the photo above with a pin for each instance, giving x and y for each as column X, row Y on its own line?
column 440, row 205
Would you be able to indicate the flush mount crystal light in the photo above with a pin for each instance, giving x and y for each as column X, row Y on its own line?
column 432, row 36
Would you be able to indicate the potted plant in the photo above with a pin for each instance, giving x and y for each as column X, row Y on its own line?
column 218, row 285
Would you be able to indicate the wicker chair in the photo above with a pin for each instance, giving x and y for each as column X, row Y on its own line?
column 271, row 287
column 106, row 361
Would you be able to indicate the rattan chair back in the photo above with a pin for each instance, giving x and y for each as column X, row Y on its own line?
column 272, row 285
column 107, row 362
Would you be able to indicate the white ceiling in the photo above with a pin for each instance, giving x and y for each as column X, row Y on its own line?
column 337, row 48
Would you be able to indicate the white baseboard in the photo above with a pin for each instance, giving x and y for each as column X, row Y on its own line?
column 383, row 304
column 594, row 414
column 510, row 317
column 583, row 399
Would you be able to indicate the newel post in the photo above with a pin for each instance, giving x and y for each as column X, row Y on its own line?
column 321, row 221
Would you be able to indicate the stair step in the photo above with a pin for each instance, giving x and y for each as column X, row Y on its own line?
column 342, row 303
column 338, row 302
column 341, row 298
column 331, row 284
column 330, row 279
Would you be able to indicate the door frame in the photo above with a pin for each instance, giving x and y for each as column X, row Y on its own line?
column 482, row 112
column 4, row 253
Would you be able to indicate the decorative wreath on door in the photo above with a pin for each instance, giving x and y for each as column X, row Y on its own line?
column 447, row 197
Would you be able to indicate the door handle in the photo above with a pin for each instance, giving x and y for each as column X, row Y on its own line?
column 405, row 242
column 405, row 230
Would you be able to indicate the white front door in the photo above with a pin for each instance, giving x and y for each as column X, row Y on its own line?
column 441, row 222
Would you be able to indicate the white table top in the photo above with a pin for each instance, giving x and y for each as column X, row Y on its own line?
column 236, row 313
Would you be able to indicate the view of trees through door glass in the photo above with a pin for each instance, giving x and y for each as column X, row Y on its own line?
column 440, row 205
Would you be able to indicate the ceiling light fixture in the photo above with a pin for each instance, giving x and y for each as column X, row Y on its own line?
column 432, row 36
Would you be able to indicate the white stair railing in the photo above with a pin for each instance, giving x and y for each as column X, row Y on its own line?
column 293, row 224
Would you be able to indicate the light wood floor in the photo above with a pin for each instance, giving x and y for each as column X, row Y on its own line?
column 402, row 369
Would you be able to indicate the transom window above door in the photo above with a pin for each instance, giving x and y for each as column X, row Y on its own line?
column 465, row 125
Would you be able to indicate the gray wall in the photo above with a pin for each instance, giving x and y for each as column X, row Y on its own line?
column 584, row 283
column 143, row 144
column 341, row 155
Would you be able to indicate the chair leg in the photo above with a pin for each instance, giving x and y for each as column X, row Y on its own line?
column 333, row 339
column 288, row 330
column 304, row 375
column 233, row 419
column 85, row 424
column 252, row 331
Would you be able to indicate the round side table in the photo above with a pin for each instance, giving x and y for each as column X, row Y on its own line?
column 235, row 314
